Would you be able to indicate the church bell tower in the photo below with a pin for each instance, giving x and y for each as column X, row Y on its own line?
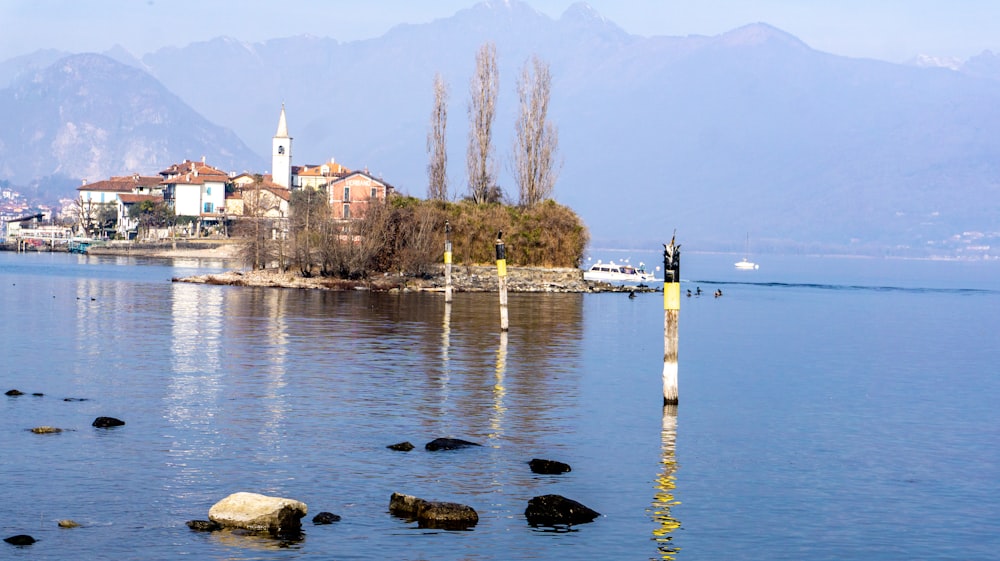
column 281, row 153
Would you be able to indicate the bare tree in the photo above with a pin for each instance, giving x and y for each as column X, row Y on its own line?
column 483, row 90
column 309, row 212
column 536, row 141
column 255, row 226
column 437, row 169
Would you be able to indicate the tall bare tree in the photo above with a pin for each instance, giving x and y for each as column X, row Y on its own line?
column 437, row 169
column 536, row 140
column 483, row 90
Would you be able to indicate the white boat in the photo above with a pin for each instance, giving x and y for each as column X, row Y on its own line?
column 746, row 264
column 617, row 273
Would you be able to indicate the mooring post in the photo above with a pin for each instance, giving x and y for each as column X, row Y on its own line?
column 502, row 279
column 671, row 313
column 447, row 262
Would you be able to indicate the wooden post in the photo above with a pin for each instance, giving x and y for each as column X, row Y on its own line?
column 502, row 279
column 447, row 262
column 671, row 313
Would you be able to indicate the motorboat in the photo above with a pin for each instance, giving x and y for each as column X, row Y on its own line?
column 612, row 272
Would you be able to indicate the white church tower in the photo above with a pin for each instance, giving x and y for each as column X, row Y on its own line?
column 281, row 153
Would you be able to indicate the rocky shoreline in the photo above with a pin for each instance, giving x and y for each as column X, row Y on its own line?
column 465, row 278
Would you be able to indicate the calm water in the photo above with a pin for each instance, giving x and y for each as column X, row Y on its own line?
column 828, row 411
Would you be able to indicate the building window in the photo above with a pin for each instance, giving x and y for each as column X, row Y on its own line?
column 374, row 192
column 209, row 207
column 281, row 150
column 347, row 194
column 347, row 211
column 208, row 191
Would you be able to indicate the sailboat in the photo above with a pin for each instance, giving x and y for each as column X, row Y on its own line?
column 746, row 264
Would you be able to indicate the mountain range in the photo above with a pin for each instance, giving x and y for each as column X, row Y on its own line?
column 748, row 131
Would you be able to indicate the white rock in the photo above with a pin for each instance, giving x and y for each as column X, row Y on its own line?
column 259, row 513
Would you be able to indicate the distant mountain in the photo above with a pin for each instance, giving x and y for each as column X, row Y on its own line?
column 748, row 131
column 12, row 68
column 89, row 117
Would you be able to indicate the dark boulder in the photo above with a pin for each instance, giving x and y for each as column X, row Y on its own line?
column 401, row 447
column 448, row 444
column 433, row 514
column 326, row 518
column 203, row 525
column 107, row 422
column 556, row 510
column 38, row 394
column 13, row 393
column 20, row 539
column 549, row 467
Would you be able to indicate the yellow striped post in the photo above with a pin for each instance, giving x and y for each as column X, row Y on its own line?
column 671, row 318
column 501, row 251
column 447, row 262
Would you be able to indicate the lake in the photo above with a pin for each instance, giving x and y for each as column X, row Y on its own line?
column 829, row 409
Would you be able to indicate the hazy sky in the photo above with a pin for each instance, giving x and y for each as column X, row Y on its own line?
column 893, row 30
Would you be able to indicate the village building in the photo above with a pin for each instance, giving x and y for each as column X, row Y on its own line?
column 265, row 199
column 351, row 194
column 317, row 176
column 195, row 189
column 98, row 202
column 128, row 226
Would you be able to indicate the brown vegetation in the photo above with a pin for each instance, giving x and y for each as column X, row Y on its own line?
column 406, row 236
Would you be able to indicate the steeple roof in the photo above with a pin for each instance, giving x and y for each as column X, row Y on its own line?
column 282, row 126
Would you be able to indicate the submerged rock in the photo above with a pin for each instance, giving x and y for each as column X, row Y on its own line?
column 553, row 510
column 107, row 422
column 203, row 525
column 67, row 523
column 46, row 430
column 13, row 393
column 326, row 518
column 20, row 539
column 259, row 513
column 448, row 444
column 433, row 514
column 401, row 446
column 549, row 467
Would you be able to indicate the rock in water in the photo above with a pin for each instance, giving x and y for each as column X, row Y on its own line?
column 107, row 422
column 433, row 514
column 13, row 393
column 448, row 444
column 203, row 525
column 46, row 430
column 553, row 510
column 325, row 518
column 259, row 513
column 67, row 523
column 401, row 447
column 550, row 467
column 20, row 539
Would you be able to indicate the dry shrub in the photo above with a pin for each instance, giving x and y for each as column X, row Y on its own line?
column 406, row 235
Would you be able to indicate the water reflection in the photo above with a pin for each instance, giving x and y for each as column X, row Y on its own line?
column 195, row 384
column 663, row 499
column 275, row 406
column 496, row 419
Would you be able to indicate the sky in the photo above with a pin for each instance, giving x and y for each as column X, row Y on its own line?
column 891, row 30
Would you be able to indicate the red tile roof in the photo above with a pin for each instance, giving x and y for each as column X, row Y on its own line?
column 121, row 184
column 129, row 198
